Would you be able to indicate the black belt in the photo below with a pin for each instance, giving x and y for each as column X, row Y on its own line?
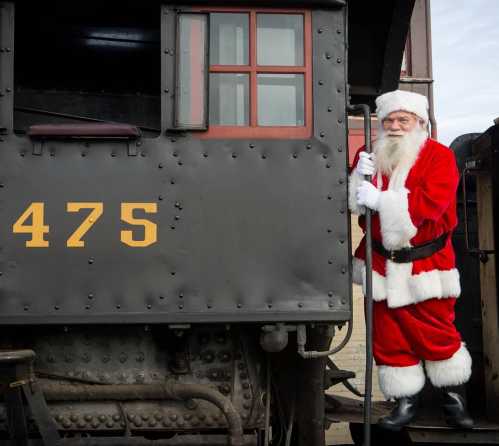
column 409, row 254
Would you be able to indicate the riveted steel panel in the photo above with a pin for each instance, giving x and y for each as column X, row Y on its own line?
column 247, row 230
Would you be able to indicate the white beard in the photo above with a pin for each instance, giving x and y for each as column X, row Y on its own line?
column 391, row 151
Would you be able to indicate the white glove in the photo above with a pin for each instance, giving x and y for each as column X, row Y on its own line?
column 367, row 163
column 368, row 195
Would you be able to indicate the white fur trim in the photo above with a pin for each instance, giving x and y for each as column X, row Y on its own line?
column 359, row 278
column 450, row 372
column 400, row 288
column 354, row 182
column 399, row 100
column 436, row 283
column 397, row 382
column 396, row 224
column 398, row 293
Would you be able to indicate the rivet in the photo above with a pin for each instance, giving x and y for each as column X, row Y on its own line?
column 83, row 154
column 102, row 418
column 26, row 308
column 330, row 261
column 343, row 270
column 167, row 423
column 110, row 424
column 239, row 305
column 269, row 305
column 160, row 197
column 338, row 90
column 138, row 422
column 177, row 217
column 322, row 134
column 81, row 424
column 59, row 418
column 118, row 307
column 329, row 197
column 264, row 156
column 209, row 306
column 167, row 90
column 339, row 60
column 173, row 140
column 167, row 52
column 158, row 416
column 331, row 305
column 172, row 181
column 328, row 166
column 66, row 424
column 251, row 146
column 295, row 155
column 343, row 301
column 143, row 154
column 234, row 155
column 90, row 260
column 173, row 273
column 131, row 416
column 175, row 154
column 340, row 149
column 342, row 211
column 144, row 416
column 324, row 155
column 330, row 293
column 8, row 49
column 205, row 155
column 56, row 307
column 321, row 82
column 328, row 56
column 330, row 109
column 173, row 416
column 340, row 121
column 90, row 296
column 341, row 180
column 338, row 31
column 300, row 305
column 22, row 153
column 160, row 165
column 180, row 163
column 329, row 230
column 152, row 423
column 180, row 307
column 113, row 154
column 309, row 146
column 149, row 306
column 319, row 30
column 342, row 241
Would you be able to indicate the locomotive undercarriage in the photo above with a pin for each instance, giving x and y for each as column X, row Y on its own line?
column 149, row 382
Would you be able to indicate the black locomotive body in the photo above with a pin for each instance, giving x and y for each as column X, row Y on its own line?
column 163, row 236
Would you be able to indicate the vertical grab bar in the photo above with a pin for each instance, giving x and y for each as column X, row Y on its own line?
column 369, row 286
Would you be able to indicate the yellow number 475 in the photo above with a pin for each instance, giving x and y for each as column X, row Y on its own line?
column 38, row 229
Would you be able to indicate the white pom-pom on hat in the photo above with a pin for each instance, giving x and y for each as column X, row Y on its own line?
column 399, row 100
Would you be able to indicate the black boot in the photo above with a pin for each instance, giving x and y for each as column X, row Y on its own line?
column 402, row 414
column 454, row 405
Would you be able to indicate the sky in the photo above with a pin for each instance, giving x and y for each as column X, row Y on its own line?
column 465, row 35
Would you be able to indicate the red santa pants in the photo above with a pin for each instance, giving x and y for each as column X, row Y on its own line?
column 405, row 337
column 424, row 331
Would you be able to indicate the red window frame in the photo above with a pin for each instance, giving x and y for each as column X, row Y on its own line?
column 253, row 130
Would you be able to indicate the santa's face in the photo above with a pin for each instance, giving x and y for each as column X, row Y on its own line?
column 399, row 123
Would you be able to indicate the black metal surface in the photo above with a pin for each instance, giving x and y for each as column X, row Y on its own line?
column 247, row 230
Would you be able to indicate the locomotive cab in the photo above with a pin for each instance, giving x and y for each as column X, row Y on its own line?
column 177, row 240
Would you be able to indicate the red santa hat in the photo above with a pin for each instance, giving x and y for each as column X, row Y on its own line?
column 400, row 100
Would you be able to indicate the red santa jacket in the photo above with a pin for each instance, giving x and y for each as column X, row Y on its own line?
column 417, row 204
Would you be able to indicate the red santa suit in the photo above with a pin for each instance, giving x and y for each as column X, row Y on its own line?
column 413, row 316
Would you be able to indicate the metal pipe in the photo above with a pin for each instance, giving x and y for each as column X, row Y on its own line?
column 126, row 392
column 369, row 288
column 302, row 340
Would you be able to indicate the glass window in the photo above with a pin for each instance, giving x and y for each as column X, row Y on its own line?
column 229, row 99
column 281, row 100
column 280, row 39
column 191, row 81
column 229, row 39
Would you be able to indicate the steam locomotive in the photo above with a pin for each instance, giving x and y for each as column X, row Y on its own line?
column 175, row 238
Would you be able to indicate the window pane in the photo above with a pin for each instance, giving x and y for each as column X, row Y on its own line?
column 229, row 42
column 191, row 71
column 229, row 99
column 280, row 39
column 281, row 100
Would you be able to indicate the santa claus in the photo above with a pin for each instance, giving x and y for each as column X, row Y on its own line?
column 415, row 281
